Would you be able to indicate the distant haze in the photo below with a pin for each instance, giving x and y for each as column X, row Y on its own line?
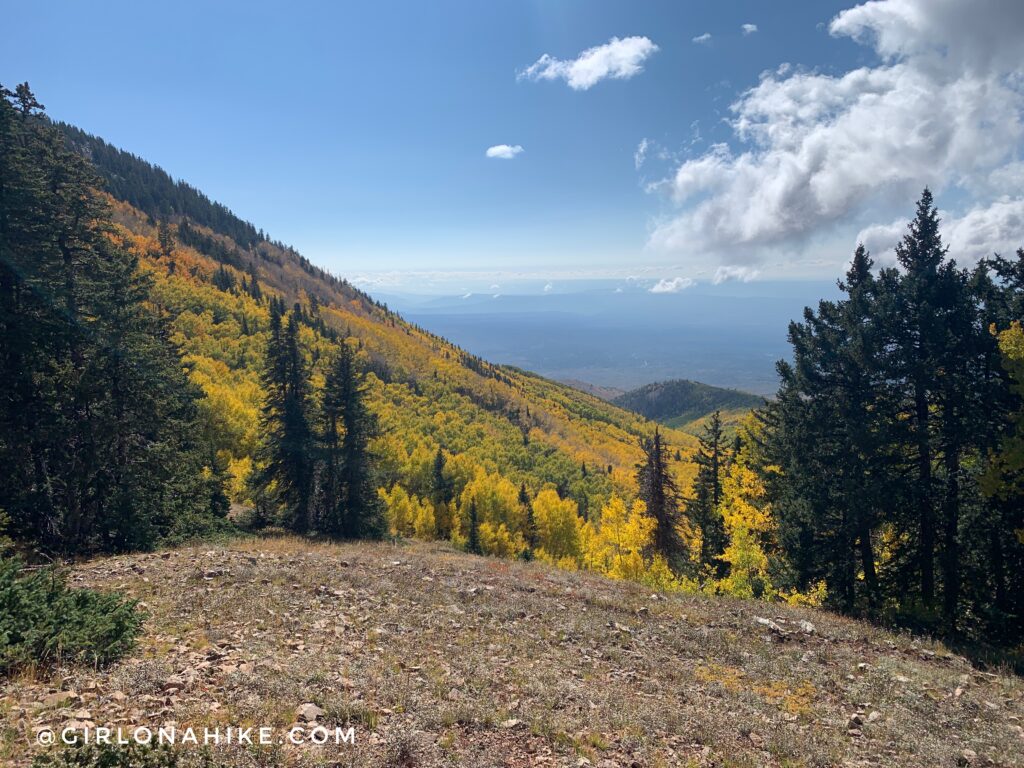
column 729, row 335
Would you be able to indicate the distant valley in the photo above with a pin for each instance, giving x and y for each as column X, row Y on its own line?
column 620, row 336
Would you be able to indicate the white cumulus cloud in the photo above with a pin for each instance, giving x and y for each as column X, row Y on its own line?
column 730, row 272
column 675, row 285
column 996, row 227
column 504, row 151
column 811, row 152
column 748, row 29
column 987, row 229
column 701, row 39
column 619, row 59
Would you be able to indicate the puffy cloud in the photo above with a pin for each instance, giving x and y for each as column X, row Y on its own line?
column 812, row 152
column 748, row 29
column 701, row 39
column 548, row 288
column 985, row 229
column 619, row 59
column 675, row 285
column 504, row 151
column 730, row 272
column 980, row 35
column 881, row 240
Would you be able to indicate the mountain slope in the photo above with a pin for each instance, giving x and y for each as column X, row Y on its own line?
column 212, row 274
column 436, row 658
column 679, row 402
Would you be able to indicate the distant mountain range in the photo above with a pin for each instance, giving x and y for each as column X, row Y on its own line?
column 617, row 334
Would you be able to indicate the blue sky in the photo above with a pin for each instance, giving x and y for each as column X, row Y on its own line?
column 357, row 131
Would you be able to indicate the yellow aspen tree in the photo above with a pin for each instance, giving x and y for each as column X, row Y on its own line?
column 559, row 529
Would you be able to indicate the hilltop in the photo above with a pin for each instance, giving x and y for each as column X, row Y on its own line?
column 682, row 404
column 437, row 658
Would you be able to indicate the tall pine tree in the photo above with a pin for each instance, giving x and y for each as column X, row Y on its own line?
column 658, row 490
column 97, row 420
column 702, row 509
column 352, row 507
column 289, row 450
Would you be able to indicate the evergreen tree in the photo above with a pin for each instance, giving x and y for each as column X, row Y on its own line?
column 289, row 445
column 473, row 540
column 884, row 440
column 531, row 522
column 658, row 490
column 836, row 413
column 920, row 338
column 352, row 507
column 97, row 420
column 223, row 280
column 165, row 238
column 703, row 510
column 442, row 491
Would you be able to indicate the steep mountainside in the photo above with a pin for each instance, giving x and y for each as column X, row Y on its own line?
column 213, row 275
column 679, row 402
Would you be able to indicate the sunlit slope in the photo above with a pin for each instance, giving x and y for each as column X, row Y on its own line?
column 458, row 659
column 427, row 393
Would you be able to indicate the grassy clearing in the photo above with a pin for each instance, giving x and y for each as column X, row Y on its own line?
column 437, row 658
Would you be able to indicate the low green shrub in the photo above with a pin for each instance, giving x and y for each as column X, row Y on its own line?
column 44, row 622
column 123, row 756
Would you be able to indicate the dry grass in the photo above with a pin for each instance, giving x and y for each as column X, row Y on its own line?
column 437, row 658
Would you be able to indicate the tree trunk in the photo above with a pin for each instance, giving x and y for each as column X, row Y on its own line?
column 925, row 513
column 951, row 548
column 867, row 558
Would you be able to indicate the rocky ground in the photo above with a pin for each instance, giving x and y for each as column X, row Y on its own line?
column 435, row 658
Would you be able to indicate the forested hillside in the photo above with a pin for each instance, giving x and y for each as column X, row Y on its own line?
column 680, row 403
column 461, row 449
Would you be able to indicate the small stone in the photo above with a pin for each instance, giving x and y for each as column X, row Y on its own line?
column 510, row 723
column 59, row 699
column 967, row 757
column 308, row 712
column 174, row 683
column 806, row 627
column 873, row 716
column 855, row 721
column 769, row 624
